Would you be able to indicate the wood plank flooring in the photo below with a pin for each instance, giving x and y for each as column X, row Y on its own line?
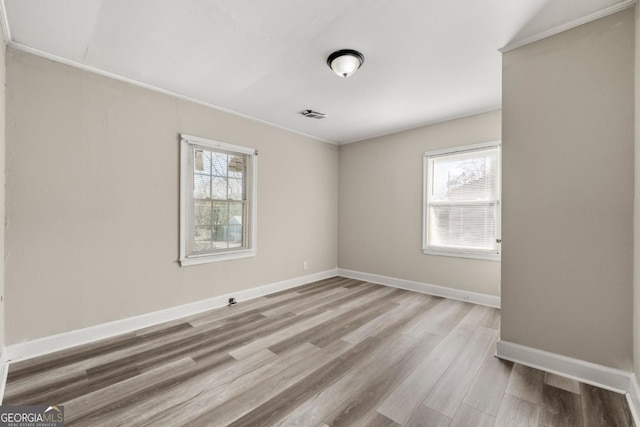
column 338, row 352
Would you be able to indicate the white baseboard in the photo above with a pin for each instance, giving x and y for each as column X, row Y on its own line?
column 601, row 376
column 633, row 398
column 4, row 372
column 590, row 373
column 425, row 288
column 76, row 337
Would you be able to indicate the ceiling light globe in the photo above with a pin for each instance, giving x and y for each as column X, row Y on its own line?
column 345, row 65
column 345, row 62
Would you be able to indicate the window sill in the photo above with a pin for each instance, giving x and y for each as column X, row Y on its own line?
column 204, row 259
column 460, row 254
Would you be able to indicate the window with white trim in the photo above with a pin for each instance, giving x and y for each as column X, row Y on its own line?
column 462, row 201
column 217, row 201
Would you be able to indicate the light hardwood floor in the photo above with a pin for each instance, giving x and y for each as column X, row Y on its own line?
column 338, row 352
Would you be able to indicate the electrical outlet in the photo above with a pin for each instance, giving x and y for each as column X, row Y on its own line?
column 305, row 265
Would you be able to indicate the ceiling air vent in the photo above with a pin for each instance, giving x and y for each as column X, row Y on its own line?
column 313, row 114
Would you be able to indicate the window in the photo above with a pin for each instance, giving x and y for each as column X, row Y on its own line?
column 462, row 202
column 217, row 201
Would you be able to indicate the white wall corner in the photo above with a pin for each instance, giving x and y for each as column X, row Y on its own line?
column 4, row 23
column 617, row 7
column 425, row 288
column 50, row 344
column 589, row 373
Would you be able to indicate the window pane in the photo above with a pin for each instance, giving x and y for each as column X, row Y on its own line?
column 202, row 239
column 466, row 176
column 219, row 162
column 235, row 234
column 219, row 188
column 219, row 245
column 220, row 213
column 202, row 246
column 201, row 186
column 236, row 210
column 202, row 161
column 203, row 213
column 220, row 235
column 466, row 226
column 236, row 166
column 235, row 189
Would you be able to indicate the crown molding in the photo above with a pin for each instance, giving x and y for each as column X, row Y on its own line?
column 94, row 70
column 434, row 122
column 569, row 25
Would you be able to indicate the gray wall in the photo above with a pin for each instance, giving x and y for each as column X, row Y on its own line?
column 92, row 200
column 380, row 208
column 568, row 183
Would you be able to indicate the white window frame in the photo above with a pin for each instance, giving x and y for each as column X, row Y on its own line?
column 187, row 143
column 460, row 253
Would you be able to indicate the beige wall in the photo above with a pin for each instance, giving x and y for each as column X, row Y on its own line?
column 568, row 183
column 92, row 200
column 636, row 211
column 380, row 208
column 2, row 181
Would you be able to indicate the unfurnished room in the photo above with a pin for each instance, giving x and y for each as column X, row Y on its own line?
column 320, row 214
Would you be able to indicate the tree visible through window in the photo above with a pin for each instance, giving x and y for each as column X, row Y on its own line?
column 217, row 200
column 462, row 202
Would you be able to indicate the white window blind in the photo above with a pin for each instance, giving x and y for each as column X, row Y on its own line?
column 217, row 201
column 462, row 201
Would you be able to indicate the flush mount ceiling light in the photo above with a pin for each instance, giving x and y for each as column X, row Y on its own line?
column 345, row 62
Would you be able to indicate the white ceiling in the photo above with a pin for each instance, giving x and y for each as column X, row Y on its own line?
column 426, row 60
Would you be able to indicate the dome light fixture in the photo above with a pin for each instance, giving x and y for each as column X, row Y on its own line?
column 345, row 62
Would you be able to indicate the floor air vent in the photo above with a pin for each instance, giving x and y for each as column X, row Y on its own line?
column 313, row 114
